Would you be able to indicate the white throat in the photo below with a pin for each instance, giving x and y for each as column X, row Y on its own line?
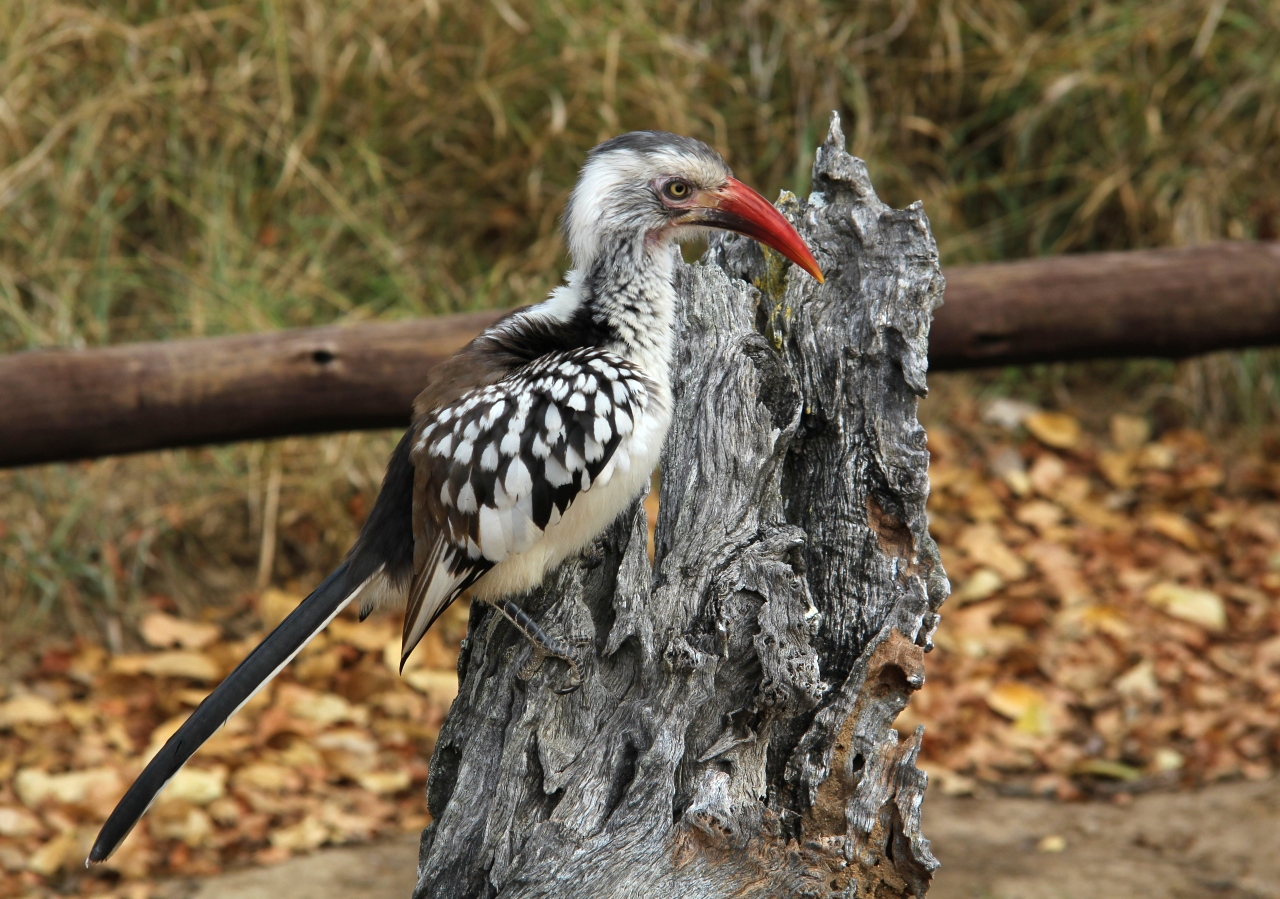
column 633, row 295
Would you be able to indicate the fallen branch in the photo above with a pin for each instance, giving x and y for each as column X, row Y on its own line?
column 57, row 405
column 1149, row 303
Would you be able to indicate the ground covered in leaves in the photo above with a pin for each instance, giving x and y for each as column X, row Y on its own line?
column 334, row 751
column 1114, row 624
column 1114, row 628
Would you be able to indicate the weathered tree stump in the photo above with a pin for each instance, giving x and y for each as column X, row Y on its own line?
column 733, row 735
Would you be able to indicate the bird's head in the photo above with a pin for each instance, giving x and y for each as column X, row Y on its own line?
column 651, row 188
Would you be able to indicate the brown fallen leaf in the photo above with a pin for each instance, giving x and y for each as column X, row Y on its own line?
column 1047, row 474
column 274, row 605
column 367, row 636
column 28, row 710
column 267, row 776
column 385, row 782
column 1117, row 468
column 1040, row 515
column 163, row 631
column 1061, row 568
column 1139, row 683
column 17, row 823
column 320, row 708
column 440, row 686
column 175, row 663
column 61, row 852
column 1055, row 429
column 979, row 586
column 35, row 787
column 1027, row 706
column 983, row 544
column 1202, row 607
column 197, row 786
column 1128, row 432
column 1173, row 526
column 309, row 833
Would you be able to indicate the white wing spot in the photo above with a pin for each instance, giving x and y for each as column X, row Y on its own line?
column 494, row 412
column 467, row 499
column 501, row 498
column 518, row 481
column 555, row 473
column 493, row 537
column 511, row 443
column 572, row 461
column 426, row 432
column 489, row 458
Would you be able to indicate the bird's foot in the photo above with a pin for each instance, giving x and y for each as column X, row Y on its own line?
column 593, row 555
column 533, row 664
column 544, row 646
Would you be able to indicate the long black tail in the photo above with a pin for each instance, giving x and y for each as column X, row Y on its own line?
column 281, row 645
column 383, row 550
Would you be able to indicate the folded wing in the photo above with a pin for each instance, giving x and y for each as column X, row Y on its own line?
column 499, row 468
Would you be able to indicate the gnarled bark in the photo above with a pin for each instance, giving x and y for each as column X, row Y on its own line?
column 733, row 734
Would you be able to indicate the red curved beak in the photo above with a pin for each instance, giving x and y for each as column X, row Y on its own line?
column 737, row 207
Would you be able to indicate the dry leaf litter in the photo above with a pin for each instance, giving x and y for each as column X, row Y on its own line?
column 333, row 751
column 1114, row 627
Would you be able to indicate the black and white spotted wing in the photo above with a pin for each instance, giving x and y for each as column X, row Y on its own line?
column 502, row 464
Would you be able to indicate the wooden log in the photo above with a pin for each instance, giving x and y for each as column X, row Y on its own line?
column 72, row 404
column 1155, row 303
column 733, row 735
column 58, row 405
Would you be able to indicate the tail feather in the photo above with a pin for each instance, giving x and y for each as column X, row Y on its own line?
column 272, row 654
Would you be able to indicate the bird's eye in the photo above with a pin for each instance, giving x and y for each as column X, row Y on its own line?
column 678, row 190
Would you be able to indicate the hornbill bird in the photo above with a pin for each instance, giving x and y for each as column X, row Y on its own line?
column 530, row 441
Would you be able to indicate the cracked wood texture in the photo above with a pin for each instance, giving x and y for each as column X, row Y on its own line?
column 733, row 734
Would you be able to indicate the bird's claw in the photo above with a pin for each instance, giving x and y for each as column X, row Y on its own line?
column 575, row 676
column 533, row 664
column 543, row 645
column 569, row 657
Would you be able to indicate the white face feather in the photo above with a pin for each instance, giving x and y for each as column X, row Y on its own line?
column 615, row 194
column 617, row 226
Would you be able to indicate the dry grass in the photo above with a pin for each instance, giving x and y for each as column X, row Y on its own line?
column 85, row 546
column 176, row 168
column 172, row 168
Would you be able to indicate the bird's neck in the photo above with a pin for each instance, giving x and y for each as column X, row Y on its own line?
column 624, row 300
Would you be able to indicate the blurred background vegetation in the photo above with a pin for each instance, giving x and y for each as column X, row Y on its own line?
column 172, row 168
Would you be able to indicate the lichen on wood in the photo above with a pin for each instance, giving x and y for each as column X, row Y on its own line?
column 733, row 735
